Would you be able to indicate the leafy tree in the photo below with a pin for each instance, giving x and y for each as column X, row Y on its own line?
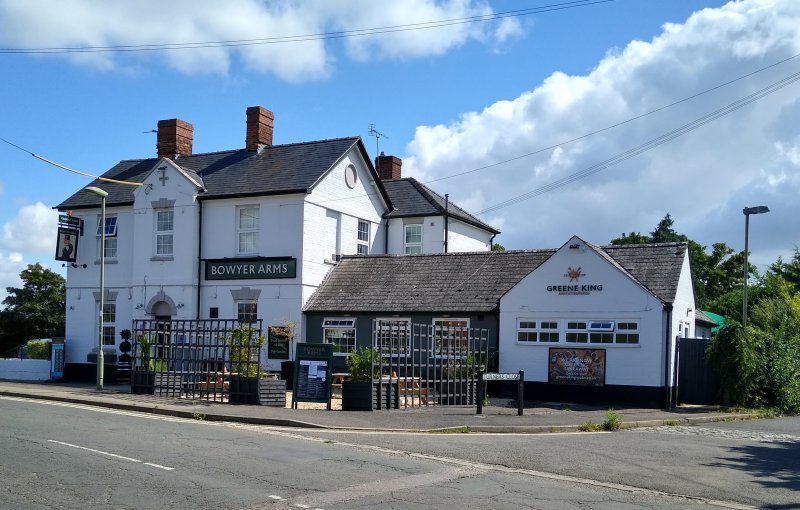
column 664, row 233
column 498, row 247
column 37, row 310
column 631, row 238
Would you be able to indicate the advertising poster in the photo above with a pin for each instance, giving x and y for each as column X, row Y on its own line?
column 577, row 367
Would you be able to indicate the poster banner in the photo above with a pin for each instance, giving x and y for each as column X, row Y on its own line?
column 577, row 367
column 67, row 244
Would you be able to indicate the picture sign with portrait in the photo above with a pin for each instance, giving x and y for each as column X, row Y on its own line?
column 67, row 244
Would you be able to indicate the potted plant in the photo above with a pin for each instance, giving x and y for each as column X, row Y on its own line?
column 124, row 361
column 244, row 345
column 359, row 393
column 143, row 376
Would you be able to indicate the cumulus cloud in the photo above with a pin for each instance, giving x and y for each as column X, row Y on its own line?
column 32, row 230
column 81, row 23
column 703, row 178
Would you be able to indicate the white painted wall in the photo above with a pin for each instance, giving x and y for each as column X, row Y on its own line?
column 463, row 237
column 25, row 369
column 621, row 299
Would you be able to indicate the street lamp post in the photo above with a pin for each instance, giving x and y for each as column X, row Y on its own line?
column 760, row 209
column 100, row 357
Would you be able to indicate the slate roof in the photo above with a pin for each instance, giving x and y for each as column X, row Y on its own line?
column 471, row 282
column 277, row 169
column 701, row 317
column 412, row 198
column 453, row 282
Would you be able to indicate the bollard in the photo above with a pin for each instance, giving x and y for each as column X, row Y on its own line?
column 520, row 392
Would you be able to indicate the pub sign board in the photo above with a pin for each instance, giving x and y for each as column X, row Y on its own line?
column 277, row 343
column 312, row 373
column 251, row 269
column 577, row 367
column 67, row 244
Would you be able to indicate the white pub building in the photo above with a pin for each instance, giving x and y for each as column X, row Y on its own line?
column 240, row 234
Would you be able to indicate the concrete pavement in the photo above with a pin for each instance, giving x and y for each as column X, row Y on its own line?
column 497, row 417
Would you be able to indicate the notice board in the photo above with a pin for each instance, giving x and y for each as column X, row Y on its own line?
column 577, row 367
column 312, row 373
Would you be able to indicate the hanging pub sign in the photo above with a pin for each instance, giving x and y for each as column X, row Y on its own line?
column 577, row 367
column 265, row 268
column 312, row 373
column 67, row 244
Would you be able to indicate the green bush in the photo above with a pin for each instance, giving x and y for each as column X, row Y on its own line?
column 590, row 426
column 38, row 349
column 613, row 420
column 145, row 344
column 363, row 364
column 758, row 365
column 244, row 344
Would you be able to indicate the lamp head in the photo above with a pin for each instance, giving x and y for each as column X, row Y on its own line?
column 759, row 209
column 97, row 191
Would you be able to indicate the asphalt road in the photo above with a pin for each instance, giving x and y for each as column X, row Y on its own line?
column 56, row 455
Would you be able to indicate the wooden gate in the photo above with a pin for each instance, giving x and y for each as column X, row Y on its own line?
column 698, row 382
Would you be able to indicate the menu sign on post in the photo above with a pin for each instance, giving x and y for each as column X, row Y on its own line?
column 312, row 373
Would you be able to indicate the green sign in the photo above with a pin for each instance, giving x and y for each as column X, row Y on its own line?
column 65, row 219
column 277, row 343
column 312, row 373
column 251, row 269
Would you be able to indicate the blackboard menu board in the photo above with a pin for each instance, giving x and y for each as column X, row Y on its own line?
column 312, row 373
column 277, row 343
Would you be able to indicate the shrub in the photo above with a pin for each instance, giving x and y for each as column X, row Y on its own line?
column 613, row 420
column 38, row 349
column 145, row 353
column 244, row 345
column 590, row 426
column 363, row 364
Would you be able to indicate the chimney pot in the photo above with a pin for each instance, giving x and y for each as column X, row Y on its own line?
column 174, row 138
column 388, row 167
column 260, row 125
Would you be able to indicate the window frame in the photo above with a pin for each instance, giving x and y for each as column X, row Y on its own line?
column 363, row 237
column 248, row 231
column 387, row 332
column 460, row 335
column 109, row 321
column 164, row 234
column 414, row 247
column 627, row 332
column 111, row 228
column 242, row 315
column 345, row 326
column 536, row 328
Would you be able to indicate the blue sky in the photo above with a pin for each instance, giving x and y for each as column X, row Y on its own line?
column 449, row 99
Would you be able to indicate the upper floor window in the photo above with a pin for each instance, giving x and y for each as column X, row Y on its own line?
column 413, row 238
column 363, row 238
column 111, row 236
column 247, row 230
column 165, row 227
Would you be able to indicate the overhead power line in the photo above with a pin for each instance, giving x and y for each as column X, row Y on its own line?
column 651, row 144
column 310, row 37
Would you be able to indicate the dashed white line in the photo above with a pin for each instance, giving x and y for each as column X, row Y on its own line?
column 109, row 454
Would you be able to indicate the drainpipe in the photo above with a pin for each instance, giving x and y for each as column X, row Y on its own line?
column 446, row 219
column 667, row 388
column 199, row 254
column 491, row 241
column 386, row 238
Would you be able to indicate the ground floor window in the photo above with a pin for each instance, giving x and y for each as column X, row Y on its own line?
column 109, row 323
column 340, row 333
column 622, row 332
column 247, row 312
column 392, row 334
column 451, row 337
column 535, row 330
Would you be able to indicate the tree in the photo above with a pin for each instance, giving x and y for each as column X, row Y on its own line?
column 498, row 247
column 37, row 310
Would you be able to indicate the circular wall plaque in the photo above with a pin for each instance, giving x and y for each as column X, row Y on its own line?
column 350, row 176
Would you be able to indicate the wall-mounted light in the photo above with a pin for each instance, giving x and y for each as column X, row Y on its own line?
column 139, row 306
column 180, row 305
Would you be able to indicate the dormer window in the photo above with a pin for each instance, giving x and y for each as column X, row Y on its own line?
column 413, row 238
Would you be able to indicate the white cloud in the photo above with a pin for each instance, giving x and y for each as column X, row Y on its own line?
column 32, row 230
column 79, row 23
column 703, row 178
column 11, row 265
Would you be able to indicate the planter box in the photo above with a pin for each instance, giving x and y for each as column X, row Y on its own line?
column 364, row 395
column 143, row 382
column 243, row 390
column 287, row 374
column 265, row 392
column 169, row 384
column 272, row 392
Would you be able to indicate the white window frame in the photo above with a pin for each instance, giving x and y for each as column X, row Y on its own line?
column 583, row 331
column 533, row 329
column 243, row 313
column 387, row 336
column 414, row 246
column 457, row 339
column 335, row 330
column 111, row 236
column 164, row 243
column 624, row 330
column 109, row 314
column 363, row 237
column 250, row 231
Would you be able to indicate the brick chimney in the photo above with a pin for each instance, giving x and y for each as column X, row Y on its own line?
column 174, row 138
column 260, row 124
column 388, row 167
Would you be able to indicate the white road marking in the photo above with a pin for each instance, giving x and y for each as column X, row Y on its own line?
column 114, row 455
column 276, row 498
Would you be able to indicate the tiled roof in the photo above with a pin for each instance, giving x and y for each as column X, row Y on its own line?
column 412, row 198
column 278, row 169
column 471, row 282
column 454, row 282
column 701, row 317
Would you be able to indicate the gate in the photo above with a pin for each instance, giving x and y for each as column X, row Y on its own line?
column 698, row 382
column 194, row 359
column 423, row 365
